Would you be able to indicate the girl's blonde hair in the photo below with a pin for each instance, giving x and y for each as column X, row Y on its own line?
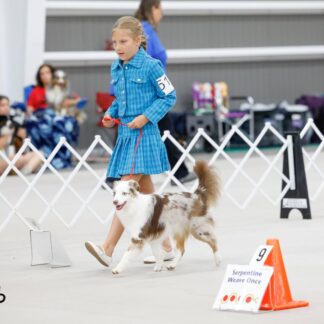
column 133, row 25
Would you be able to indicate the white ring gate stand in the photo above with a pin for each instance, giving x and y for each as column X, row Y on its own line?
column 46, row 248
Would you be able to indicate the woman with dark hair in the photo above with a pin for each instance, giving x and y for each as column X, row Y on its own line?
column 45, row 126
column 37, row 97
column 150, row 13
column 44, row 75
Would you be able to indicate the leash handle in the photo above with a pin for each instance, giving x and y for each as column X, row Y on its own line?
column 118, row 122
column 115, row 120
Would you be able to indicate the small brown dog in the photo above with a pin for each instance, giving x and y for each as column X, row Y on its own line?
column 153, row 218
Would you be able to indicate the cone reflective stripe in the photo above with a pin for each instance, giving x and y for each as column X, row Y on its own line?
column 278, row 295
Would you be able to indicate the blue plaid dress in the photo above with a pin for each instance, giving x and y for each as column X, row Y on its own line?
column 141, row 87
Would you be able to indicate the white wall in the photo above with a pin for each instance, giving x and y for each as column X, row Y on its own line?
column 3, row 84
column 35, row 38
column 22, row 29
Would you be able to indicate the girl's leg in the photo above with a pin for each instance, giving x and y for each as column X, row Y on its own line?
column 29, row 162
column 146, row 184
column 114, row 234
column 3, row 166
column 116, row 229
column 22, row 161
column 34, row 161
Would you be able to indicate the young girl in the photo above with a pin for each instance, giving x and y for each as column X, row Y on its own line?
column 29, row 161
column 144, row 95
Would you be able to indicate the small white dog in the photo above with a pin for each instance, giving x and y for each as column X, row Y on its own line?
column 58, row 90
column 153, row 218
column 58, row 97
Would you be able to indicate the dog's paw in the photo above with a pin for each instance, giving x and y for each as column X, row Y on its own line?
column 115, row 271
column 218, row 259
column 157, row 268
column 171, row 266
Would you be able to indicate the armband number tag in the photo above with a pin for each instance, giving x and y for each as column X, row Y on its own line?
column 165, row 84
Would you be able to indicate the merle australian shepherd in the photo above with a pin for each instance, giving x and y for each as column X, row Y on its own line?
column 153, row 218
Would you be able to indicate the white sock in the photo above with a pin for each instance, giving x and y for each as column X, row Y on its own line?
column 26, row 170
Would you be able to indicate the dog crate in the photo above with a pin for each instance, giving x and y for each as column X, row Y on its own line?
column 193, row 123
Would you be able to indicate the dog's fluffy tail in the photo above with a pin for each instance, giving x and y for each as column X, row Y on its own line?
column 209, row 183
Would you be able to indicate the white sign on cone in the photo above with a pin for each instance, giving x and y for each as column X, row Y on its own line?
column 243, row 288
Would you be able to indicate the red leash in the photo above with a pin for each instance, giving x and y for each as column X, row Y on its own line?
column 118, row 122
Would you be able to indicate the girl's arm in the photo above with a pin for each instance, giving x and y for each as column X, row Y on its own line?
column 70, row 102
column 30, row 110
column 111, row 112
column 165, row 92
column 4, row 141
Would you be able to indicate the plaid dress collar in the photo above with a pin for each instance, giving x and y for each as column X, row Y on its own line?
column 136, row 61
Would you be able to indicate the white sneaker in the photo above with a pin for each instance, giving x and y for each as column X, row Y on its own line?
column 169, row 256
column 98, row 252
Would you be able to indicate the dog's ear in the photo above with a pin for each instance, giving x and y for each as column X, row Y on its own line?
column 60, row 74
column 134, row 185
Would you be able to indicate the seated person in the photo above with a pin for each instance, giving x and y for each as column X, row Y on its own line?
column 30, row 161
column 45, row 125
column 51, row 90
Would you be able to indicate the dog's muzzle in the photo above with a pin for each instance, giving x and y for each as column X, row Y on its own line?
column 119, row 206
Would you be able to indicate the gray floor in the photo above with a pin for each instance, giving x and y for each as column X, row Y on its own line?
column 87, row 292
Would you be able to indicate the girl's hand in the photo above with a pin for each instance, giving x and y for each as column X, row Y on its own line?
column 107, row 122
column 30, row 110
column 138, row 122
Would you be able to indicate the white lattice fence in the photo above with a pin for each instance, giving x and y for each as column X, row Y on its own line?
column 310, row 159
column 86, row 203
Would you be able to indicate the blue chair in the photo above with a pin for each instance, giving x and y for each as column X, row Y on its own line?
column 23, row 105
column 27, row 91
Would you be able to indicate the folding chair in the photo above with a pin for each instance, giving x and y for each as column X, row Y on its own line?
column 27, row 91
column 103, row 101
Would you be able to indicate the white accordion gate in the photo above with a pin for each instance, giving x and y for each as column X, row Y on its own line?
column 12, row 203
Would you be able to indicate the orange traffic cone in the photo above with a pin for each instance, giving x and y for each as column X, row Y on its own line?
column 278, row 295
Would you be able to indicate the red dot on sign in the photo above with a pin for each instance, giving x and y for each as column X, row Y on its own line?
column 248, row 300
column 225, row 298
column 232, row 298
